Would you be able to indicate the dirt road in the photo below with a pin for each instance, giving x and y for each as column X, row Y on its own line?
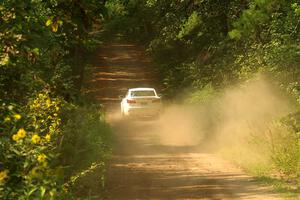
column 145, row 167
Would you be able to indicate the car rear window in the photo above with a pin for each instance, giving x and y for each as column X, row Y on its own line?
column 145, row 93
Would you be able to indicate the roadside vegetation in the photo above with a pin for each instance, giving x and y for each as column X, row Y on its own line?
column 50, row 135
column 213, row 51
column 208, row 48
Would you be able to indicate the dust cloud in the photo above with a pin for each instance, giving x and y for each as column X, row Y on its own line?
column 178, row 127
column 235, row 122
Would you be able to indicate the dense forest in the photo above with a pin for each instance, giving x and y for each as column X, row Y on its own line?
column 201, row 46
column 215, row 42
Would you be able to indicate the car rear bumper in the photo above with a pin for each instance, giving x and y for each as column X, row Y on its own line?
column 143, row 112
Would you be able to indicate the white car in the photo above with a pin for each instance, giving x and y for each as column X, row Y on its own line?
column 141, row 102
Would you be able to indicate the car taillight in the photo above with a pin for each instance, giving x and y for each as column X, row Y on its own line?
column 130, row 101
column 156, row 101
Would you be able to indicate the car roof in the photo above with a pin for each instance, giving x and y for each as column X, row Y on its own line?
column 141, row 89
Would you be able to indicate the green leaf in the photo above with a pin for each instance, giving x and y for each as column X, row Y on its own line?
column 43, row 191
column 49, row 22
column 235, row 34
column 36, row 51
column 16, row 151
column 60, row 22
column 26, row 164
column 294, row 5
column 297, row 11
column 31, row 192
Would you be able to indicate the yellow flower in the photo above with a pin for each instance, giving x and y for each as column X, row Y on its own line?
column 35, row 139
column 3, row 175
column 17, row 116
column 48, row 103
column 10, row 107
column 7, row 119
column 15, row 137
column 42, row 158
column 21, row 133
column 48, row 137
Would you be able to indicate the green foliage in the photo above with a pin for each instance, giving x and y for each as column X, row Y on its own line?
column 43, row 51
column 87, row 138
column 205, row 95
column 235, row 34
column 191, row 23
column 296, row 8
column 115, row 8
column 28, row 140
column 193, row 40
column 286, row 146
column 85, row 147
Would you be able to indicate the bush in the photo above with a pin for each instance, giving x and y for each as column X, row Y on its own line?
column 27, row 149
column 43, row 145
column 41, row 68
column 86, row 139
column 207, row 94
column 286, row 146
